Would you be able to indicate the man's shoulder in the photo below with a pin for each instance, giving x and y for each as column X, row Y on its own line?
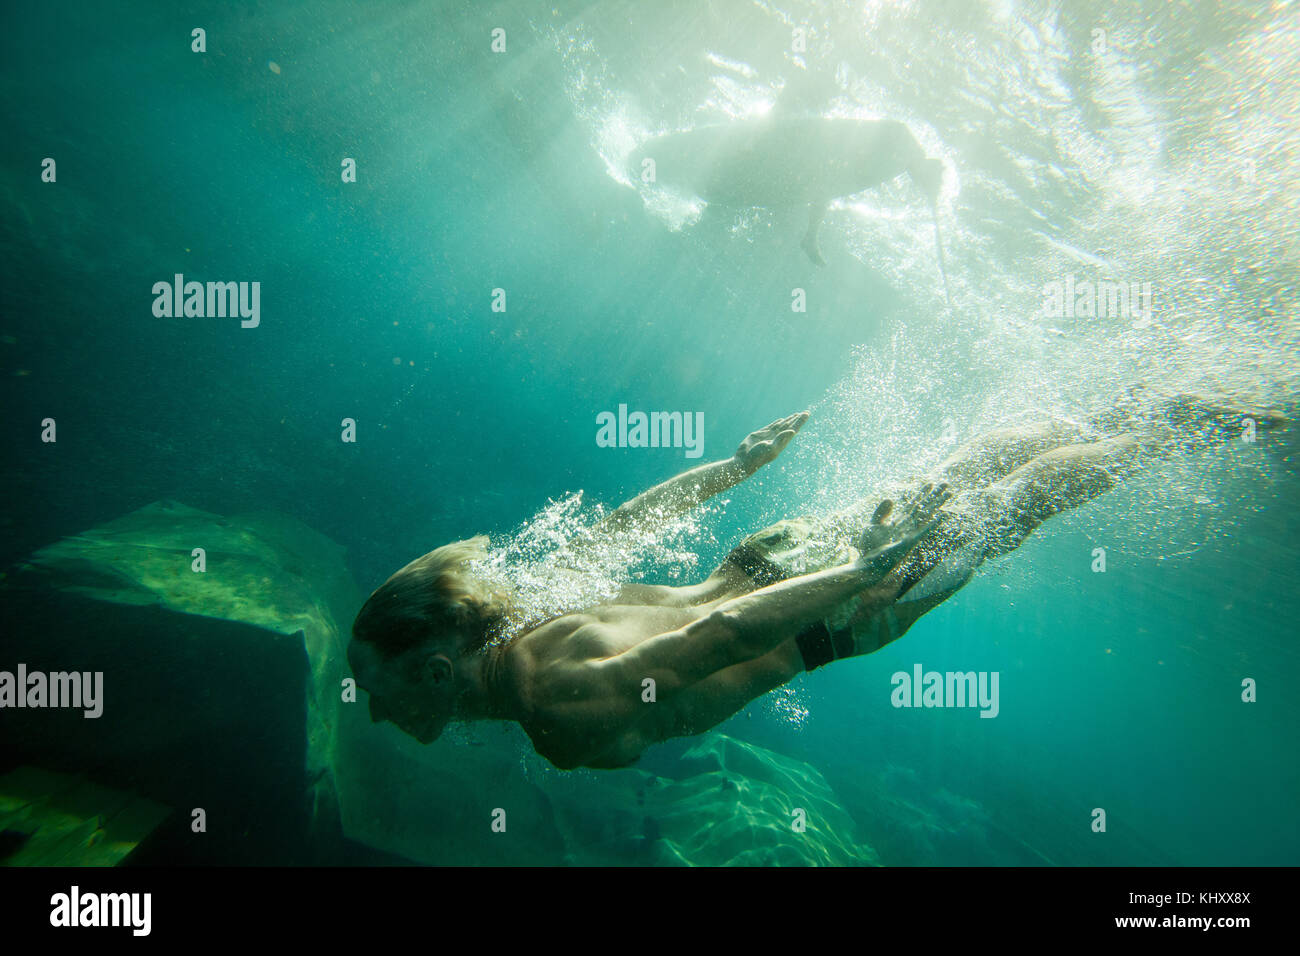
column 556, row 638
column 646, row 594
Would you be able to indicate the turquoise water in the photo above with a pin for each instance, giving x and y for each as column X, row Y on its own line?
column 1161, row 150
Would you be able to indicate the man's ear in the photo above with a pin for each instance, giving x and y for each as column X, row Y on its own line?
column 437, row 668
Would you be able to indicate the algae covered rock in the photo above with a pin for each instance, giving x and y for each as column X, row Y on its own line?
column 767, row 810
column 49, row 819
column 263, row 570
column 733, row 804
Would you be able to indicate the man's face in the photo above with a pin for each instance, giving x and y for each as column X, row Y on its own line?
column 408, row 692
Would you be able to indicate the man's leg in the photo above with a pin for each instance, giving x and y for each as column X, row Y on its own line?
column 1159, row 424
column 1164, row 422
column 1009, row 482
column 977, row 464
column 995, row 454
column 982, row 523
column 809, row 244
column 1053, row 482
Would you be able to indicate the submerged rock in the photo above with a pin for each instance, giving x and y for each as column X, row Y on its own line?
column 767, row 809
column 49, row 819
column 735, row 804
column 178, row 689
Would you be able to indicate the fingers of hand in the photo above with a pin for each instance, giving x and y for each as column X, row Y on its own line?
column 930, row 501
column 794, row 422
column 882, row 512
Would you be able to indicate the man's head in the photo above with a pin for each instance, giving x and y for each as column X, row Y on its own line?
column 414, row 632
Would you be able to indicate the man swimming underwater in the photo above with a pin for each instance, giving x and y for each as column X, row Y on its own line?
column 791, row 598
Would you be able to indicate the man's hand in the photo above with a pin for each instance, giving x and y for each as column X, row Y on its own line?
column 893, row 533
column 680, row 494
column 766, row 443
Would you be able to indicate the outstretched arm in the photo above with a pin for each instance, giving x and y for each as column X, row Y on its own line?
column 679, row 495
column 750, row 626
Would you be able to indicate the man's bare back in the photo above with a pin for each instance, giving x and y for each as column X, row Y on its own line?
column 582, row 706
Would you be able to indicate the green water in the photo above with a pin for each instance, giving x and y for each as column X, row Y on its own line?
column 1153, row 143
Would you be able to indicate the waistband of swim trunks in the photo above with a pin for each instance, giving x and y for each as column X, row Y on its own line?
column 819, row 645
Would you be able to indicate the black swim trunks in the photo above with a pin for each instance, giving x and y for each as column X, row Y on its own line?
column 788, row 549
